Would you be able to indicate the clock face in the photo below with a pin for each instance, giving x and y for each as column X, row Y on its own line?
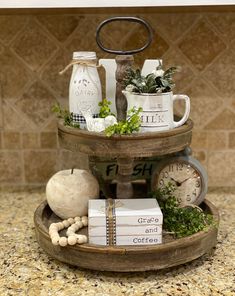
column 186, row 179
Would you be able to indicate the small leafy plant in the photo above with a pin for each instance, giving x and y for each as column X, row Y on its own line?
column 179, row 221
column 124, row 127
column 155, row 82
column 65, row 115
column 105, row 108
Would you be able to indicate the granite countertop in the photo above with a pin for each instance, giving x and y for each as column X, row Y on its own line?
column 27, row 270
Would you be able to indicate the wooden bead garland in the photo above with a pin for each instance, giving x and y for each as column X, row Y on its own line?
column 73, row 225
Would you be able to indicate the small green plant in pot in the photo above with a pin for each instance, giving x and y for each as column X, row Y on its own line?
column 153, row 93
column 159, row 81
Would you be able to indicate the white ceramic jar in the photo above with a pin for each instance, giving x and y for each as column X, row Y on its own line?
column 158, row 110
column 85, row 87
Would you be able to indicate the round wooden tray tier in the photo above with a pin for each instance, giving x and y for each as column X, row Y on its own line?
column 135, row 145
column 171, row 252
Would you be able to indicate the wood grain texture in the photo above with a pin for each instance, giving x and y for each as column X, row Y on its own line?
column 126, row 258
column 115, row 10
column 104, row 3
column 1, row 113
column 135, row 145
column 125, row 170
column 124, row 63
column 125, row 148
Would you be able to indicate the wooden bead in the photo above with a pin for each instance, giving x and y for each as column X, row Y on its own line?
column 55, row 241
column 63, row 241
column 77, row 219
column 76, row 228
column 85, row 221
column 73, row 228
column 71, row 221
column 79, row 224
column 55, row 234
column 81, row 239
column 84, row 239
column 84, row 218
column 69, row 232
column 53, row 227
column 85, row 224
column 60, row 226
column 66, row 223
column 52, row 231
column 72, row 240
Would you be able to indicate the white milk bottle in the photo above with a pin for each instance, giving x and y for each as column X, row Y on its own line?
column 85, row 87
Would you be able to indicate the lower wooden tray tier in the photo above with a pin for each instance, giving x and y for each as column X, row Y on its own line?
column 126, row 258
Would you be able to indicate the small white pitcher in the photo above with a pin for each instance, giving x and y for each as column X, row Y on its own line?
column 158, row 111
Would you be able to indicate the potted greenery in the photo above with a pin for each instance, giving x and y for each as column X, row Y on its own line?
column 153, row 93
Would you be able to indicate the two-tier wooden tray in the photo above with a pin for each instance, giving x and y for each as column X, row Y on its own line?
column 126, row 258
column 125, row 149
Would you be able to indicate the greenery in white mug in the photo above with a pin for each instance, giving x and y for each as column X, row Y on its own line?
column 155, row 82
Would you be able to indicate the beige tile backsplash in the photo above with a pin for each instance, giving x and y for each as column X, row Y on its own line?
column 34, row 48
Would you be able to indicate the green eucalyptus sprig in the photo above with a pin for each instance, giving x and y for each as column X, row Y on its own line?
column 105, row 108
column 180, row 221
column 125, row 127
column 64, row 114
column 155, row 82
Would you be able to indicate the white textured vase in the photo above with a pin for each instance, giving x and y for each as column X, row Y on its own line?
column 85, row 87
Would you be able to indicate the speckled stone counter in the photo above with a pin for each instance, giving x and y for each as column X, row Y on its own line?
column 26, row 270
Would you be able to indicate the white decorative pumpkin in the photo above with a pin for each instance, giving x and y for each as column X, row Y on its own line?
column 68, row 192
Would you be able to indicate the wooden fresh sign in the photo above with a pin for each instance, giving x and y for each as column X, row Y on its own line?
column 142, row 169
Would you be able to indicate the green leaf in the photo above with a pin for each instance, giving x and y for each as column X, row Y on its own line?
column 132, row 124
column 64, row 114
column 104, row 108
column 147, row 84
column 180, row 221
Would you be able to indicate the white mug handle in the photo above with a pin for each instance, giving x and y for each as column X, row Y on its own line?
column 187, row 109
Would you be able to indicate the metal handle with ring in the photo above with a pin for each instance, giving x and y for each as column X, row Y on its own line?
column 128, row 19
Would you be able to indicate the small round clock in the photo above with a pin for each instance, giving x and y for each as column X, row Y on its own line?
column 186, row 174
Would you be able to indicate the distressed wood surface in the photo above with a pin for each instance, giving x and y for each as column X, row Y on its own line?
column 1, row 104
column 126, row 258
column 136, row 145
column 125, row 148
column 124, row 63
column 124, row 185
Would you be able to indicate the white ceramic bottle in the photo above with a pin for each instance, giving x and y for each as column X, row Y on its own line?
column 85, row 87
